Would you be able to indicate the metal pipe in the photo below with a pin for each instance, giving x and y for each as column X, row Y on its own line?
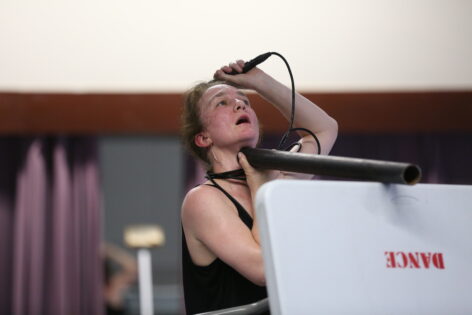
column 146, row 301
column 336, row 166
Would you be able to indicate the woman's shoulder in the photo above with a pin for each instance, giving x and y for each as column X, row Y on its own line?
column 200, row 191
column 204, row 196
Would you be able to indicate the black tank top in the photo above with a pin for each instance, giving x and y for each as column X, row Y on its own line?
column 217, row 285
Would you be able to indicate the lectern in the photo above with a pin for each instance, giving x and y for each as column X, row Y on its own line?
column 337, row 247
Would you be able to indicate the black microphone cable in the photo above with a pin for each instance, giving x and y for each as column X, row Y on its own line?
column 261, row 58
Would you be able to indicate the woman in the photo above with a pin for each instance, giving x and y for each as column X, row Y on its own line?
column 222, row 259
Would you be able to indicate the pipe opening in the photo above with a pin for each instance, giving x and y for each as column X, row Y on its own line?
column 412, row 174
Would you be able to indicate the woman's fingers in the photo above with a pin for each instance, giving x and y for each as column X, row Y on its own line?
column 236, row 66
column 245, row 164
column 226, row 69
column 242, row 80
column 255, row 178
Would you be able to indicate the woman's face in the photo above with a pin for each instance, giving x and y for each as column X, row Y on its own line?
column 228, row 118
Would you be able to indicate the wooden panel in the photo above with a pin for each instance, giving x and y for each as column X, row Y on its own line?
column 88, row 113
column 27, row 113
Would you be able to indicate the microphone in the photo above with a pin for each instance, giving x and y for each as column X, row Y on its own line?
column 252, row 63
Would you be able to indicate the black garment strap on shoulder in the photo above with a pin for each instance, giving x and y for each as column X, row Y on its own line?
column 243, row 215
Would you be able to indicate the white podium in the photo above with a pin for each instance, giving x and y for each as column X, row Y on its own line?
column 333, row 247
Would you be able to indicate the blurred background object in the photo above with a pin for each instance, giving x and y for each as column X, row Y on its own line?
column 120, row 270
column 143, row 238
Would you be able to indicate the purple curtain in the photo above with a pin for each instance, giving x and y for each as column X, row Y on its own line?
column 50, row 226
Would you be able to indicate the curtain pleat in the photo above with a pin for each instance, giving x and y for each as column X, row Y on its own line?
column 50, row 224
column 29, row 235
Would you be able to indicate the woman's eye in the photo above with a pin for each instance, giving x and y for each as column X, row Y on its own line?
column 221, row 103
column 246, row 102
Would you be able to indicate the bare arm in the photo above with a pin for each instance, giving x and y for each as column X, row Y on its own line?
column 307, row 114
column 128, row 267
column 213, row 227
column 121, row 279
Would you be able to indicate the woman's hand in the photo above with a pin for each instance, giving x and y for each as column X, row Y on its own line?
column 250, row 80
column 256, row 178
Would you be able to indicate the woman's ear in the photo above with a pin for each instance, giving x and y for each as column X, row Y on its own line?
column 202, row 140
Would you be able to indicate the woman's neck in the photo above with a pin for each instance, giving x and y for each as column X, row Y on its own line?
column 224, row 160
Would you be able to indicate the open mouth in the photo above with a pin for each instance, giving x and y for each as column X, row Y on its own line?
column 243, row 120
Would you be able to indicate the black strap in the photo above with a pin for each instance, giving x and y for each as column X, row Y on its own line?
column 234, row 174
column 242, row 213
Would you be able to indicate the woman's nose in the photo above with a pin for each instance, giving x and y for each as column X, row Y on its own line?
column 239, row 105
